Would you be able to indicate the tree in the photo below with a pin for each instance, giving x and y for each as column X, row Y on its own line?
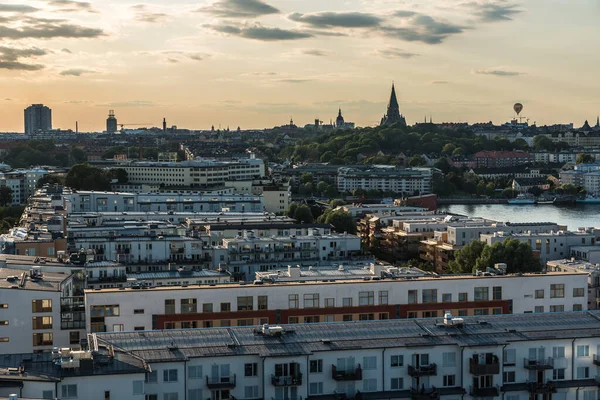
column 336, row 203
column 466, row 258
column 449, row 148
column 322, row 187
column 303, row 215
column 458, row 152
column 86, row 177
column 490, row 189
column 118, row 174
column 50, row 180
column 292, row 210
column 443, row 165
column 541, row 142
column 5, row 196
column 417, row 161
column 77, row 155
column 585, row 158
column 517, row 256
column 306, row 178
column 535, row 190
column 341, row 221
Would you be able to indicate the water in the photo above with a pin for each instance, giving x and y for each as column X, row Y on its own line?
column 574, row 216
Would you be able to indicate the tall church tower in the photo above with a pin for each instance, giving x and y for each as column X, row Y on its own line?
column 393, row 115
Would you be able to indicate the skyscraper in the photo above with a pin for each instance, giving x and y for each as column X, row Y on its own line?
column 38, row 118
column 111, row 122
column 393, row 115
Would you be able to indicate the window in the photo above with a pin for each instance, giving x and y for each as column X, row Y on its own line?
column 383, row 297
column 557, row 308
column 189, row 306
column 366, row 298
column 245, row 303
column 138, row 311
column 170, row 396
column 251, row 369
column 346, row 318
column 225, row 307
column 481, row 293
column 263, row 302
column 366, row 317
column 316, row 366
column 558, row 373
column 577, row 307
column 369, row 385
column 251, row 392
column 397, row 384
column 330, row 302
column 369, row 362
column 583, row 372
column 42, row 339
column 510, row 356
column 583, row 351
column 462, row 313
column 481, row 311
column 169, row 306
column 195, row 372
column 496, row 311
column 539, row 309
column 69, row 391
column 397, row 361
column 207, row 307
column 539, row 294
column 311, row 300
column 449, row 359
column 40, row 306
column 558, row 352
column 557, row 290
column 316, row 388
column 292, row 320
column 195, row 394
column 42, row 323
column 151, row 397
column 347, row 301
column 497, row 293
column 449, row 380
column 170, row 375
column 412, row 296
column 4, row 339
column 447, row 298
column 138, row 387
column 578, row 292
column 74, row 337
column 429, row 295
column 463, row 297
column 508, row 376
column 152, row 377
column 412, row 314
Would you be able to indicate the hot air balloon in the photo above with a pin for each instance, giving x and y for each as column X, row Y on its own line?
column 518, row 108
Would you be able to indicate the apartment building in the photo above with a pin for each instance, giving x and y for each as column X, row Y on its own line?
column 578, row 266
column 502, row 159
column 464, row 232
column 386, row 294
column 410, row 181
column 196, row 173
column 531, row 356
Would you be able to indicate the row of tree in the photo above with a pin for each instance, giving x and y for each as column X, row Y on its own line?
column 479, row 256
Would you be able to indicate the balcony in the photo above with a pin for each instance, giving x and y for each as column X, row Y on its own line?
column 424, row 393
column 492, row 391
column 541, row 388
column 422, row 370
column 293, row 380
column 220, row 382
column 346, row 375
column 108, row 279
column 484, row 369
column 596, row 359
column 287, row 398
column 538, row 365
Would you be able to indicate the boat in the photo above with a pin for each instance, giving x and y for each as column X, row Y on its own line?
column 589, row 200
column 545, row 201
column 522, row 200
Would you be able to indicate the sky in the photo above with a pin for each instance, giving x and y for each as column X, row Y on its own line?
column 258, row 63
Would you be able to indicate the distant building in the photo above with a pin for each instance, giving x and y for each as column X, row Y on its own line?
column 341, row 124
column 111, row 122
column 393, row 115
column 38, row 118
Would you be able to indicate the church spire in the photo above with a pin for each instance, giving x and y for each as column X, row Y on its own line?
column 393, row 104
column 393, row 115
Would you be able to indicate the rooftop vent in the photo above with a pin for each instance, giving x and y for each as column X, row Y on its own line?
column 274, row 330
column 451, row 321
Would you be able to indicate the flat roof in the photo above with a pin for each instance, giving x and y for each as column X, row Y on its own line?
column 51, row 281
column 305, row 339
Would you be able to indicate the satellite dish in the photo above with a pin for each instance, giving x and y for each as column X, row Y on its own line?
column 518, row 108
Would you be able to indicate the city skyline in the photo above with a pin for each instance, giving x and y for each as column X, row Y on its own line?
column 255, row 64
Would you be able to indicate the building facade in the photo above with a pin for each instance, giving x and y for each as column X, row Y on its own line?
column 38, row 118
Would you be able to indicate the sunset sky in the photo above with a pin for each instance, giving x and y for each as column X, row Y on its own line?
column 255, row 64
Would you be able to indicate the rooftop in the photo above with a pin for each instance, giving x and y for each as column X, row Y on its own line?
column 13, row 279
column 304, row 339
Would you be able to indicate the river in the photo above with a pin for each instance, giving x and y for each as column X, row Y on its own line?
column 574, row 216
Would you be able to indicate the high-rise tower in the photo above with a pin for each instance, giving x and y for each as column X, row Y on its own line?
column 393, row 115
column 38, row 118
column 111, row 122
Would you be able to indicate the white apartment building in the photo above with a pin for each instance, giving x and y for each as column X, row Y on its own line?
column 593, row 271
column 411, row 181
column 37, row 314
column 323, row 299
column 514, row 357
column 548, row 245
column 196, row 173
column 22, row 182
column 464, row 232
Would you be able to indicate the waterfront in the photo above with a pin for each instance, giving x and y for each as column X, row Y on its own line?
column 574, row 216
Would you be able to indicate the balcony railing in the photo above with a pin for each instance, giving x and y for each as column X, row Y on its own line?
column 535, row 364
column 484, row 369
column 108, row 279
column 596, row 359
column 293, row 380
column 491, row 391
column 422, row 370
column 287, row 398
column 424, row 393
column 541, row 388
column 220, row 382
column 354, row 374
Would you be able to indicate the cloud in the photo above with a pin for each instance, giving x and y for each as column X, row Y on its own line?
column 239, row 9
column 130, row 103
column 422, row 28
column 404, row 13
column 76, row 72
column 17, row 8
column 493, row 12
column 175, row 56
column 439, row 82
column 337, row 19
column 49, row 30
column 315, row 52
column 10, row 58
column 295, row 80
column 497, row 72
column 18, row 66
column 72, row 6
column 143, row 14
column 259, row 32
column 393, row 52
column 65, row 50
